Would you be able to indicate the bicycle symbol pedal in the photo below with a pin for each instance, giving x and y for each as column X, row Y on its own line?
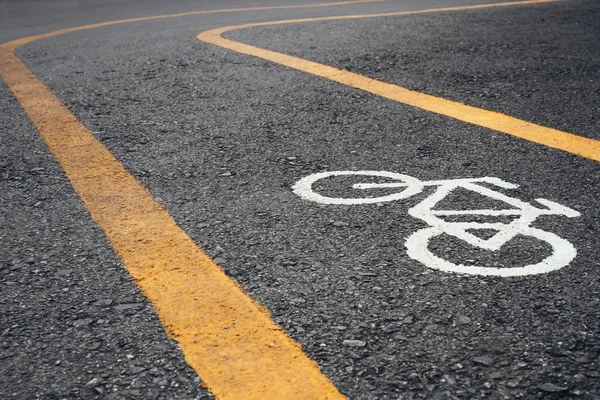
column 523, row 215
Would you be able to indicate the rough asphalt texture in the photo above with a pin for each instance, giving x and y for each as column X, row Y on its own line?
column 219, row 138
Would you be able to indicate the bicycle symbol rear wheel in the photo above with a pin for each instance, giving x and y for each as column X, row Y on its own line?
column 407, row 185
column 563, row 253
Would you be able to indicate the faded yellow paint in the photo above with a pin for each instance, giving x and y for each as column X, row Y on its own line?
column 584, row 147
column 229, row 339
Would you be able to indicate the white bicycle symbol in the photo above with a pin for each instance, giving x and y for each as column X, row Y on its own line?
column 417, row 244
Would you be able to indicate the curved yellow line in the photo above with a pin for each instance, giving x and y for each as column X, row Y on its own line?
column 582, row 146
column 228, row 338
column 14, row 44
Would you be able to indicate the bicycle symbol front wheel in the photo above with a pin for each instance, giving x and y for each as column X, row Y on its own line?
column 408, row 186
column 563, row 253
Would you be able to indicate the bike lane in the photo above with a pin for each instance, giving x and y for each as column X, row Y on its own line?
column 338, row 277
column 527, row 336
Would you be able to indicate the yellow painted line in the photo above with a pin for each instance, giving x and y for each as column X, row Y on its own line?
column 229, row 339
column 585, row 147
column 20, row 42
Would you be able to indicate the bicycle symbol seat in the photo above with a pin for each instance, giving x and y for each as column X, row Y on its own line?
column 417, row 244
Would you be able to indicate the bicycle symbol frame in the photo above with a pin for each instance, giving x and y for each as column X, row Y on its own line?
column 563, row 251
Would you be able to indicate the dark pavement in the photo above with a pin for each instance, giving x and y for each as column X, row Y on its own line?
column 219, row 138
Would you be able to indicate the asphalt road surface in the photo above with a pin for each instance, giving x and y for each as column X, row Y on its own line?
column 390, row 299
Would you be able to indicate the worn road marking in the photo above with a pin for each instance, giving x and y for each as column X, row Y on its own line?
column 229, row 339
column 585, row 147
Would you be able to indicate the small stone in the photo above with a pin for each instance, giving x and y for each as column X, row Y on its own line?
column 226, row 174
column 593, row 374
column 218, row 250
column 484, row 361
column 64, row 272
column 496, row 375
column 103, row 302
column 94, row 346
column 450, row 380
column 432, row 327
column 551, row 388
column 30, row 260
column 354, row 343
column 408, row 319
column 291, row 158
column 219, row 261
column 93, row 382
column 82, row 322
column 521, row 364
column 512, row 384
column 464, row 320
column 339, row 224
column 137, row 370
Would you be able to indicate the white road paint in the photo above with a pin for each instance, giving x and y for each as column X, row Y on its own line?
column 417, row 244
column 303, row 187
column 563, row 253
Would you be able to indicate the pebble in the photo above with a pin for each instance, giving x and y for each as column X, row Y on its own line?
column 93, row 382
column 551, row 388
column 408, row 320
column 219, row 250
column 94, row 346
column 137, row 370
column 484, row 360
column 464, row 320
column 103, row 302
column 431, row 327
column 354, row 343
column 82, row 322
